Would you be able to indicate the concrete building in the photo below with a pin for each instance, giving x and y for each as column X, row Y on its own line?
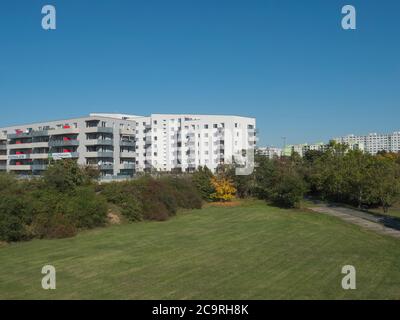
column 120, row 145
column 301, row 149
column 373, row 142
column 270, row 152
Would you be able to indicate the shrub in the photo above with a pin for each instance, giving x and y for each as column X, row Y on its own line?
column 202, row 181
column 131, row 209
column 184, row 191
column 85, row 209
column 289, row 191
column 15, row 216
column 51, row 226
column 224, row 189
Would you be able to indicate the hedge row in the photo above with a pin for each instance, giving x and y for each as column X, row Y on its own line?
column 68, row 199
column 152, row 199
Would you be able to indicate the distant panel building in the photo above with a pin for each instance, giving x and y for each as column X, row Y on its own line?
column 270, row 152
column 374, row 142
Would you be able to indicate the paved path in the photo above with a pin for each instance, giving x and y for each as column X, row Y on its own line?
column 378, row 223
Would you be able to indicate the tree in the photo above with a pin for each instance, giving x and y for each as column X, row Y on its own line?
column 64, row 175
column 224, row 189
column 384, row 181
column 202, row 181
column 289, row 190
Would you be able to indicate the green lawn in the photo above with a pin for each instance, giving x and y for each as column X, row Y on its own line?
column 247, row 252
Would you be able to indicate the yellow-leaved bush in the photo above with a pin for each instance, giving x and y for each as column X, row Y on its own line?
column 224, row 189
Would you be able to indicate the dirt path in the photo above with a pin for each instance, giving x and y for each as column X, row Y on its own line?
column 380, row 224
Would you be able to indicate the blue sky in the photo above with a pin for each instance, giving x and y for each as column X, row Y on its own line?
column 287, row 63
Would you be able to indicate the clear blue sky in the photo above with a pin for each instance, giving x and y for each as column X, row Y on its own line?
column 287, row 63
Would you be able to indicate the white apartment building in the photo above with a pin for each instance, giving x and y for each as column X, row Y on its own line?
column 270, row 152
column 120, row 145
column 374, row 142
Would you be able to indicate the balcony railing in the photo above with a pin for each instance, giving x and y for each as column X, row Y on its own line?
column 19, row 135
column 99, row 142
column 28, row 145
column 3, row 167
column 39, row 167
column 63, row 143
column 127, row 154
column 21, row 167
column 106, row 166
column 127, row 166
column 19, row 156
column 99, row 129
column 127, row 143
column 62, row 131
column 99, row 154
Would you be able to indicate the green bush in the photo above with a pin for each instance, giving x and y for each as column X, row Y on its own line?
column 15, row 216
column 85, row 209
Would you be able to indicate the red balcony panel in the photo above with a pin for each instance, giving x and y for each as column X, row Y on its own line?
column 66, row 127
column 18, row 163
column 66, row 139
column 18, row 142
column 19, row 152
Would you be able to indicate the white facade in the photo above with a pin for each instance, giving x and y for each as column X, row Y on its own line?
column 374, row 142
column 120, row 144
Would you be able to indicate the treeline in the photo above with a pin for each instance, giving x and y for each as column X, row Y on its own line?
column 337, row 174
column 68, row 199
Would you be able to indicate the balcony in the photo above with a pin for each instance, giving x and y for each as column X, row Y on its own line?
column 62, row 131
column 127, row 143
column 40, row 133
column 19, row 135
column 127, row 166
column 3, row 147
column 3, row 167
column 3, row 157
column 21, row 167
column 106, row 166
column 99, row 129
column 39, row 167
column 28, row 145
column 63, row 143
column 99, row 142
column 127, row 154
column 39, row 156
column 127, row 131
column 99, row 154
column 19, row 156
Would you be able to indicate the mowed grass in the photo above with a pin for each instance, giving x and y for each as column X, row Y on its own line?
column 251, row 251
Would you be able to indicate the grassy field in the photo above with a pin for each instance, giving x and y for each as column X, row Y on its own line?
column 250, row 251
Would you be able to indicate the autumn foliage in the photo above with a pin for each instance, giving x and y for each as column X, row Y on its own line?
column 224, row 189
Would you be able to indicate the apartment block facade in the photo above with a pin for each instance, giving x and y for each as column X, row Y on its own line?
column 374, row 142
column 120, row 145
column 270, row 152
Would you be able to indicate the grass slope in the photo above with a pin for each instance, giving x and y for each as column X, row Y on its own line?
column 247, row 252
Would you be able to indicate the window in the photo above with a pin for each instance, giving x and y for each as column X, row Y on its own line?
column 206, row 126
column 215, row 126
